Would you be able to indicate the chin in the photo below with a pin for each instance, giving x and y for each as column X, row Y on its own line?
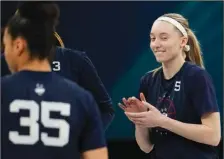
column 161, row 60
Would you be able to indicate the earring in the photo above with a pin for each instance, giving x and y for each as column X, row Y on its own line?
column 187, row 48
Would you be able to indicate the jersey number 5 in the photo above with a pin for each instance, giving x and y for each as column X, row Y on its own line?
column 177, row 86
column 47, row 122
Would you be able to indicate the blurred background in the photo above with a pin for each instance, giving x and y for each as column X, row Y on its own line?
column 115, row 35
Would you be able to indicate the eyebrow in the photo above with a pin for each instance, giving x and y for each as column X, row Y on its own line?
column 163, row 33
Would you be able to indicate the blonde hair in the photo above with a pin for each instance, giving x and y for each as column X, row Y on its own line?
column 59, row 39
column 194, row 54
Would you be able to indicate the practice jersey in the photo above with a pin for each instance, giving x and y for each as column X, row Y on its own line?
column 45, row 116
column 186, row 97
column 76, row 66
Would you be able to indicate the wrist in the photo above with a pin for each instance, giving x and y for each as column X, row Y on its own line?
column 163, row 121
column 140, row 127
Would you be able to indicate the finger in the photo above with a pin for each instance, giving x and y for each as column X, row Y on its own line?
column 131, row 119
column 133, row 98
column 137, row 121
column 142, row 97
column 137, row 102
column 126, row 103
column 122, row 106
column 136, row 115
column 131, row 101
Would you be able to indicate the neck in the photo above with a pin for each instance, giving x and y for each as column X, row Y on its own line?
column 170, row 68
column 37, row 65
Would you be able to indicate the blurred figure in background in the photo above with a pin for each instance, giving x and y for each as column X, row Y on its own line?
column 76, row 66
column 44, row 115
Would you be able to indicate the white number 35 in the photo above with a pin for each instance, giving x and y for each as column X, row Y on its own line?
column 34, row 128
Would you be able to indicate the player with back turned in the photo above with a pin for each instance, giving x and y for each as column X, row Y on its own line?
column 44, row 116
column 76, row 66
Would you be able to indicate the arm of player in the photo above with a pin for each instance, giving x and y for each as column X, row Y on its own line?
column 143, row 139
column 100, row 153
column 207, row 133
column 142, row 134
column 204, row 100
column 92, row 140
column 91, row 81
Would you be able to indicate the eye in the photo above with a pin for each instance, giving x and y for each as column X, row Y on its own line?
column 164, row 38
column 152, row 38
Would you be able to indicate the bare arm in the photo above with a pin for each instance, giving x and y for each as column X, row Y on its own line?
column 209, row 132
column 143, row 140
column 100, row 153
column 203, row 97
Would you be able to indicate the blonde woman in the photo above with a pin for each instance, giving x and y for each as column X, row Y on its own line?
column 178, row 116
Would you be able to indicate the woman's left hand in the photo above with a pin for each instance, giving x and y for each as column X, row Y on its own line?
column 150, row 119
column 133, row 104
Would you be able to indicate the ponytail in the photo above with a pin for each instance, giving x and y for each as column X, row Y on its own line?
column 194, row 55
column 57, row 36
column 59, row 40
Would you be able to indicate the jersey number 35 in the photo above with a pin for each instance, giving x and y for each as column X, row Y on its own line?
column 32, row 122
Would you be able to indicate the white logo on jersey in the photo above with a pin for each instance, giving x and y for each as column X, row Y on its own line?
column 177, row 86
column 56, row 66
column 39, row 89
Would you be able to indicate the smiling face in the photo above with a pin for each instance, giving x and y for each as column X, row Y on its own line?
column 166, row 41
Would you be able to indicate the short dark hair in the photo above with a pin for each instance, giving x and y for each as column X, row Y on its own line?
column 35, row 22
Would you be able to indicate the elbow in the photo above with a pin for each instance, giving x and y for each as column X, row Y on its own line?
column 142, row 139
column 214, row 143
column 214, row 139
column 107, row 119
column 107, row 109
column 147, row 149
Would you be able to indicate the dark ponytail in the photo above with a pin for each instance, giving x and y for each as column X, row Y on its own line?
column 35, row 22
column 41, row 11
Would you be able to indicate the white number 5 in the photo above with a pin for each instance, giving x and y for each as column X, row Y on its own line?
column 177, row 86
column 32, row 122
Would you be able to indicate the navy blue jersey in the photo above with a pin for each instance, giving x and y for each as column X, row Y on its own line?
column 76, row 66
column 185, row 97
column 45, row 116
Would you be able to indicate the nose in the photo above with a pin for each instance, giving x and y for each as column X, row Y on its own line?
column 155, row 44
